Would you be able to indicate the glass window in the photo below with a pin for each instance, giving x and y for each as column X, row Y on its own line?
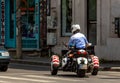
column 66, row 14
column 92, row 9
column 28, row 18
column 11, row 19
column 92, row 21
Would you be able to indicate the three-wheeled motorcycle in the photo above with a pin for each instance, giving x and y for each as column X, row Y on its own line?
column 80, row 61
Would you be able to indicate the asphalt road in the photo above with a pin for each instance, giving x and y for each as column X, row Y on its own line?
column 20, row 73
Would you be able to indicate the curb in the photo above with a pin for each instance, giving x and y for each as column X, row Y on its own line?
column 29, row 62
column 48, row 64
column 109, row 69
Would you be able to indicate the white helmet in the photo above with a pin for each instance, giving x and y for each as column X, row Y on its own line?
column 75, row 27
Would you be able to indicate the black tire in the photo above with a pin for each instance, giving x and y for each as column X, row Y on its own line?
column 4, row 68
column 54, row 70
column 95, row 71
column 81, row 72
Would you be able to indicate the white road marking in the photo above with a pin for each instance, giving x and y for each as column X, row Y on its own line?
column 110, row 75
column 3, row 81
column 53, row 78
column 103, row 76
column 26, row 79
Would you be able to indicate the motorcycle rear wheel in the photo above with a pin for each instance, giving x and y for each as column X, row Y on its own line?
column 81, row 72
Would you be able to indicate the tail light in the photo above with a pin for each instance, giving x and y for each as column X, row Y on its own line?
column 95, row 60
column 78, row 52
column 55, row 60
column 82, row 52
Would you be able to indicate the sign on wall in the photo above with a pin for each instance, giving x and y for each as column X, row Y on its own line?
column 2, row 21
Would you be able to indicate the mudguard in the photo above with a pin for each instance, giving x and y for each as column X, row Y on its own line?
column 95, row 61
column 55, row 61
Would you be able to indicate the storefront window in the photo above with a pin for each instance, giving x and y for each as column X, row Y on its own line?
column 28, row 18
column 66, row 9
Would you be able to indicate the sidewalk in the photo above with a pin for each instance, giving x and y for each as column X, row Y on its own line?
column 45, row 61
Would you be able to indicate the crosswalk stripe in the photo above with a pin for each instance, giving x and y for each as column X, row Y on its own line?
column 3, row 81
column 53, row 78
column 103, row 76
column 106, row 76
column 25, row 79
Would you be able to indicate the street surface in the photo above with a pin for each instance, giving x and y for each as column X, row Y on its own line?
column 20, row 73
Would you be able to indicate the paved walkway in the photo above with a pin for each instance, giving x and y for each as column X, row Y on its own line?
column 108, row 66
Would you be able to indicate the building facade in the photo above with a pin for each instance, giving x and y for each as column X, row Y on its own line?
column 70, row 12
column 99, row 21
column 48, row 22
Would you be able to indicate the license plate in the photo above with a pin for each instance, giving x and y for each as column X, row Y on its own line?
column 82, row 66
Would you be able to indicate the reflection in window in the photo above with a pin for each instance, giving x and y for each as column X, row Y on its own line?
column 27, row 18
column 11, row 19
column 66, row 9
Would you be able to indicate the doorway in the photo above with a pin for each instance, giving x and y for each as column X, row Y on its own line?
column 92, row 21
column 29, row 23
